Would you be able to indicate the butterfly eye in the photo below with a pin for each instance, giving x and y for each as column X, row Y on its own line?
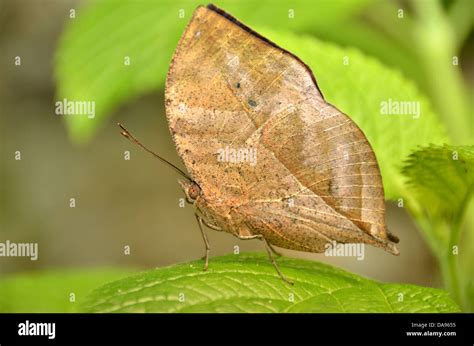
column 193, row 191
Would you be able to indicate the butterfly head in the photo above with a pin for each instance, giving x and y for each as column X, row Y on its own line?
column 191, row 189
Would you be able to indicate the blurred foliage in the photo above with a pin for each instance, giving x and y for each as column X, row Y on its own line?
column 443, row 180
column 50, row 291
column 422, row 39
column 249, row 283
column 443, row 177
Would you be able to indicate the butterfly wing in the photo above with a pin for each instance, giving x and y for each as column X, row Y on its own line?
column 316, row 178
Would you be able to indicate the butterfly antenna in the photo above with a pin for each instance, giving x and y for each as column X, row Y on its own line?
column 131, row 138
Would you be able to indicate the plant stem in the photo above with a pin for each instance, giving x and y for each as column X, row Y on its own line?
column 452, row 279
column 435, row 231
column 436, row 46
column 460, row 17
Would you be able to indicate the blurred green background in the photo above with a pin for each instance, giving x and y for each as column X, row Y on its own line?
column 136, row 203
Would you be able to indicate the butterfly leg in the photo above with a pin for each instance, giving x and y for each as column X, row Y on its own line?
column 211, row 226
column 206, row 241
column 275, row 252
column 272, row 259
column 270, row 251
column 258, row 236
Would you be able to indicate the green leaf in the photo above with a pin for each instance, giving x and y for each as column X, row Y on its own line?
column 358, row 89
column 50, row 291
column 249, row 283
column 90, row 57
column 443, row 178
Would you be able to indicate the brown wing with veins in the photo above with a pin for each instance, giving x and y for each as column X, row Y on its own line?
column 316, row 177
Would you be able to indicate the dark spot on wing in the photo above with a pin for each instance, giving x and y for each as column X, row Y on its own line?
column 252, row 103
